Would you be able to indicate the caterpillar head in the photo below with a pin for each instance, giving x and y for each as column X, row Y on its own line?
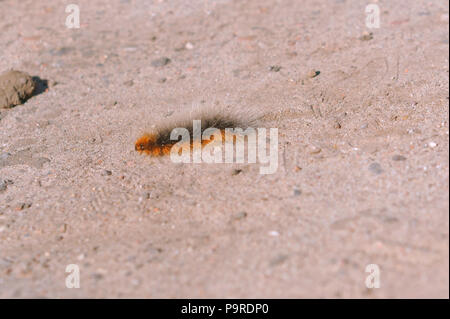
column 145, row 143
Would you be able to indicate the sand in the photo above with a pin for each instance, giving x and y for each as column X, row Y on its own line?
column 363, row 175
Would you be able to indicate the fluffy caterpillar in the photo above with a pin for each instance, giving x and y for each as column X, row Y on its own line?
column 159, row 143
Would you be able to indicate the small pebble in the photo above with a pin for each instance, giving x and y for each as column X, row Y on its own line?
column 375, row 168
column 107, row 172
column 297, row 192
column 313, row 73
column 432, row 144
column 128, row 83
column 97, row 276
column 23, row 206
column 274, row 233
column 161, row 62
column 63, row 228
column 398, row 158
column 236, row 171
column 278, row 260
column 314, row 150
column 275, row 68
column 240, row 215
column 130, row 49
column 135, row 282
column 189, row 46
column 366, row 36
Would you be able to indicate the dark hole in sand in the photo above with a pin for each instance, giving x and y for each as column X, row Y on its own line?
column 41, row 85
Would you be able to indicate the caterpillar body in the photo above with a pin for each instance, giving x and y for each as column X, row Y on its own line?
column 159, row 143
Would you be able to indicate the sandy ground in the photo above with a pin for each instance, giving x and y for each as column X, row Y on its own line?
column 364, row 150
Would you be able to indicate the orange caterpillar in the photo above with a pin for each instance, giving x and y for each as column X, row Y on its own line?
column 149, row 144
column 158, row 143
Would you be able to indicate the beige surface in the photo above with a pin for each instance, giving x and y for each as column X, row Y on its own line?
column 340, row 200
